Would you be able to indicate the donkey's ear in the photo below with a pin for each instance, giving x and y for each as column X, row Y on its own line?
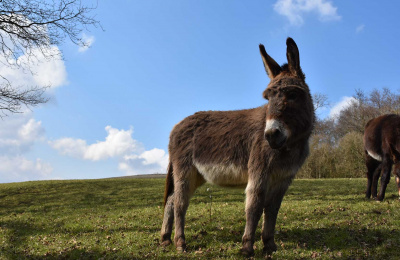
column 293, row 58
column 271, row 67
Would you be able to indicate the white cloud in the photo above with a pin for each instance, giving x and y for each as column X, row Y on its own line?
column 18, row 168
column 38, row 71
column 31, row 131
column 89, row 40
column 342, row 104
column 18, row 133
column 360, row 28
column 155, row 156
column 294, row 10
column 70, row 146
column 119, row 144
column 148, row 162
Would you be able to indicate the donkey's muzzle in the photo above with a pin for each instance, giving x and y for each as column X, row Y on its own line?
column 276, row 139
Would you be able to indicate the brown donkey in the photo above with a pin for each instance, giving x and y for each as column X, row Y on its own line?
column 382, row 151
column 260, row 149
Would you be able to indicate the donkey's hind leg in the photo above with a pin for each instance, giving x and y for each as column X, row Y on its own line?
column 372, row 175
column 375, row 179
column 185, row 183
column 385, row 177
column 168, row 221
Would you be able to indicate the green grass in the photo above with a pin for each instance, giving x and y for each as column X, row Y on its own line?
column 121, row 219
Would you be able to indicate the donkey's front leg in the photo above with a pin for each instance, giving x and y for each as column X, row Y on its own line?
column 255, row 197
column 272, row 206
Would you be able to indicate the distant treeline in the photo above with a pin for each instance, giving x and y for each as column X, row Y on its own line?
column 336, row 146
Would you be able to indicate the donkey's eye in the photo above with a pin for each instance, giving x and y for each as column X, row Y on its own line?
column 292, row 95
column 267, row 94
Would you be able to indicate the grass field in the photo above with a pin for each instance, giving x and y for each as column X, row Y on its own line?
column 121, row 219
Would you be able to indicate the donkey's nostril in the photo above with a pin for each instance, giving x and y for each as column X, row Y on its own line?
column 272, row 134
column 276, row 133
column 275, row 138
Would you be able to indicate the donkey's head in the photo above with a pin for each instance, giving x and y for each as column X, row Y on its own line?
column 290, row 111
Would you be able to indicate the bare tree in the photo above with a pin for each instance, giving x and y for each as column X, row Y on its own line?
column 385, row 101
column 32, row 28
column 320, row 101
column 365, row 107
column 336, row 144
column 324, row 131
column 354, row 117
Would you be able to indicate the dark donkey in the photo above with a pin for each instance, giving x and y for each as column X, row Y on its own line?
column 260, row 149
column 382, row 150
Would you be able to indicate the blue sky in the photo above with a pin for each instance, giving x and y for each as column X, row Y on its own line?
column 114, row 104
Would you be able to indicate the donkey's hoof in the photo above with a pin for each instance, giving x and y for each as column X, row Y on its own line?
column 181, row 249
column 247, row 252
column 166, row 242
column 180, row 244
column 270, row 248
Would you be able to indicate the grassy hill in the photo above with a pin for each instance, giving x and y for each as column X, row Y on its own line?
column 121, row 219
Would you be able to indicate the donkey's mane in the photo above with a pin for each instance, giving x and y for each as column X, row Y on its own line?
column 285, row 68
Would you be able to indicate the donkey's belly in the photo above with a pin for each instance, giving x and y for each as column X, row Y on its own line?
column 223, row 175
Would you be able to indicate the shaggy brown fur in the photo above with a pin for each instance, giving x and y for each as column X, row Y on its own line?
column 382, row 150
column 260, row 149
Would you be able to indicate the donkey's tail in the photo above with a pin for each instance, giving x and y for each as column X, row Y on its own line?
column 169, row 183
